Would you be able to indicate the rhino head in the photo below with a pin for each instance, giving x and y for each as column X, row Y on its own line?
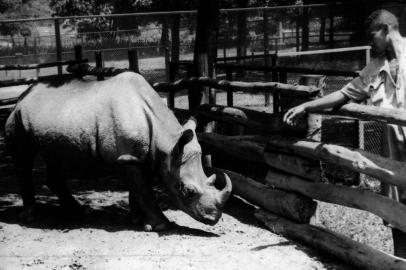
column 192, row 191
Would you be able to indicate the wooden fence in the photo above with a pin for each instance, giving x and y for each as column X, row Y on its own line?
column 274, row 165
column 289, row 184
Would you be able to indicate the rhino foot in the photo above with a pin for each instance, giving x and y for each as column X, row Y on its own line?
column 159, row 227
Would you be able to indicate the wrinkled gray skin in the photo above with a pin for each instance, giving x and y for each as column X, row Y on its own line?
column 120, row 123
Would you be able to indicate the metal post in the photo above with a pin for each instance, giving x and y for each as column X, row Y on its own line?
column 99, row 64
column 58, row 44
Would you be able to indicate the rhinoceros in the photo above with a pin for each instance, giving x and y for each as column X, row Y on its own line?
column 120, row 123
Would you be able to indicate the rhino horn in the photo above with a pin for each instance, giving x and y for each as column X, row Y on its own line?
column 211, row 180
column 226, row 191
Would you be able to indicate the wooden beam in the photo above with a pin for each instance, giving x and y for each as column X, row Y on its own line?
column 256, row 121
column 339, row 246
column 365, row 112
column 42, row 65
column 249, row 87
column 326, row 72
column 27, row 81
column 295, row 165
column 249, row 148
column 385, row 169
column 289, row 205
column 86, row 69
column 384, row 207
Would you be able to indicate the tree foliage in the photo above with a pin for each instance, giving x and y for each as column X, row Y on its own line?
column 18, row 9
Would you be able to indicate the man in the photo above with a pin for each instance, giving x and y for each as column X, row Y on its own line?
column 383, row 83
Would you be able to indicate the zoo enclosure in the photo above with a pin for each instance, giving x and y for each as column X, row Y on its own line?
column 169, row 36
column 286, row 175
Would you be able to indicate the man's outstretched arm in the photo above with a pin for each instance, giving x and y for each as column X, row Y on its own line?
column 330, row 101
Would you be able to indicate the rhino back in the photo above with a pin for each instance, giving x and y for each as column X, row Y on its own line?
column 82, row 121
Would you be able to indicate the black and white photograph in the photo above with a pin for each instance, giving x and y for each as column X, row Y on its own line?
column 202, row 134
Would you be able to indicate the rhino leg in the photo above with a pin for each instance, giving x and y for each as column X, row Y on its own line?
column 56, row 181
column 142, row 199
column 23, row 155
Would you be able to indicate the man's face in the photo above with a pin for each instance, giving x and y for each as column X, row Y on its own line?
column 378, row 40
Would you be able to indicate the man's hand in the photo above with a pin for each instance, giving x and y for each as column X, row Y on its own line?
column 293, row 114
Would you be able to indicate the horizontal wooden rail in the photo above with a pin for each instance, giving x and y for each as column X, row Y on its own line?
column 246, row 57
column 367, row 112
column 335, row 50
column 86, row 69
column 256, row 121
column 385, row 169
column 27, row 81
column 327, row 72
column 293, row 206
column 384, row 207
column 339, row 246
column 42, row 65
column 250, row 148
column 8, row 101
column 254, row 87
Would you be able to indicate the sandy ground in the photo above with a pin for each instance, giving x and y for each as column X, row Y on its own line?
column 104, row 239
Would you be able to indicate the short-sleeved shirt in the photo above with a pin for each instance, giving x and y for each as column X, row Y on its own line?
column 376, row 85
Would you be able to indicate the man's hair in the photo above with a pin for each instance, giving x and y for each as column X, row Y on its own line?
column 381, row 17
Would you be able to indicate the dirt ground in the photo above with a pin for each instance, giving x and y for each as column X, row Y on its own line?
column 104, row 239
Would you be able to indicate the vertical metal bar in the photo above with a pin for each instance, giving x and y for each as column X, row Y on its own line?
column 58, row 44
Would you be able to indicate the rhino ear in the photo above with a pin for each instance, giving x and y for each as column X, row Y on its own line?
column 191, row 123
column 184, row 139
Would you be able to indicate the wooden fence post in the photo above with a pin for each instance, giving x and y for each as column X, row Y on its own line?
column 99, row 63
column 275, row 78
column 78, row 52
column 266, row 51
column 229, row 77
column 166, row 46
column 173, row 68
column 314, row 120
column 133, row 60
column 58, row 44
column 331, row 28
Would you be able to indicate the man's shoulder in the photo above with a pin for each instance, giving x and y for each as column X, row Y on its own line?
column 373, row 67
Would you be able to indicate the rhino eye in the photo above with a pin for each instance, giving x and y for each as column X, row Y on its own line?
column 186, row 192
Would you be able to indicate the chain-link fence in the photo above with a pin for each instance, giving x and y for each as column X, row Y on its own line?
column 242, row 32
